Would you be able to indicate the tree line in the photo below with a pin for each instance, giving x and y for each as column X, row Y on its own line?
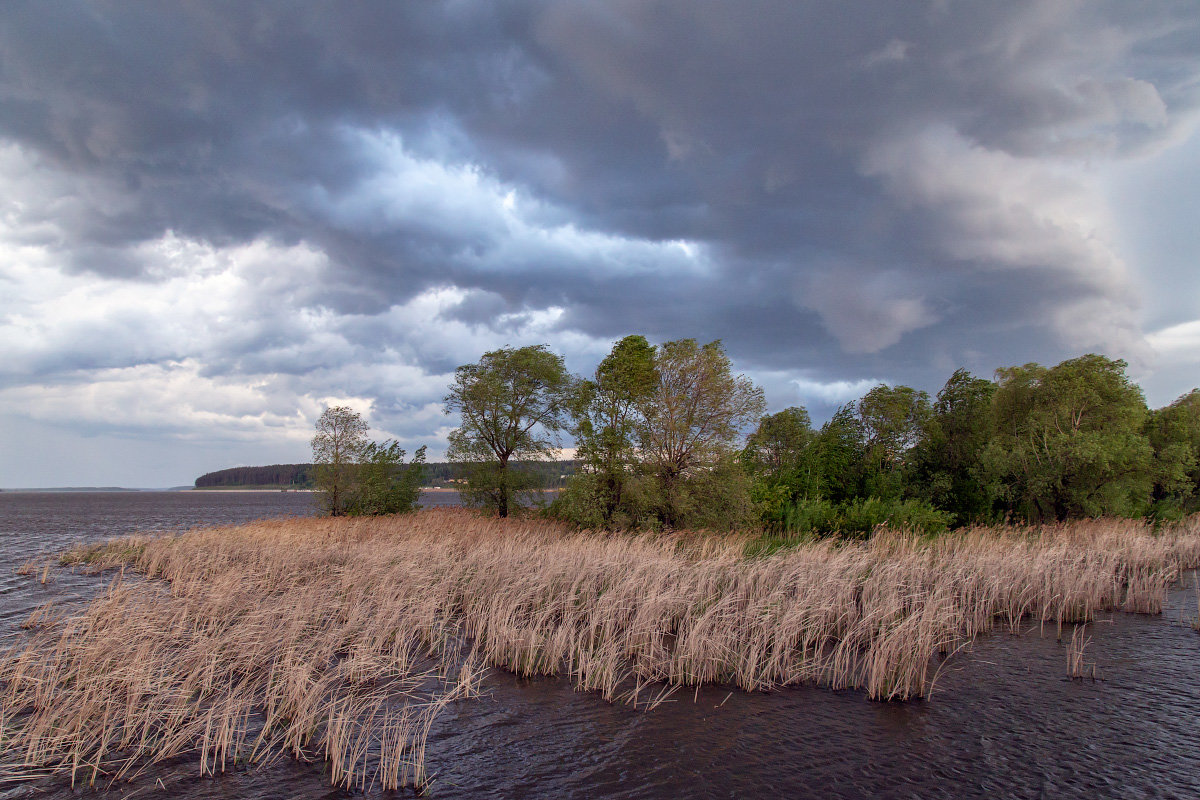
column 659, row 442
column 276, row 476
column 302, row 476
column 1034, row 444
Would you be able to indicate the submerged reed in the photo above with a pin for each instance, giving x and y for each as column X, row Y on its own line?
column 1077, row 667
column 1196, row 586
column 340, row 639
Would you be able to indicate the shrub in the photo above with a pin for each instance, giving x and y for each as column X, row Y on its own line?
column 383, row 483
column 582, row 504
column 861, row 516
column 817, row 515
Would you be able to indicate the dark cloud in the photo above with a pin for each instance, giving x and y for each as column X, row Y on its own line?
column 839, row 193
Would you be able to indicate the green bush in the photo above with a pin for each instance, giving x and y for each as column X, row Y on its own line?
column 716, row 498
column 818, row 516
column 384, row 484
column 861, row 516
column 1169, row 510
column 864, row 515
column 582, row 504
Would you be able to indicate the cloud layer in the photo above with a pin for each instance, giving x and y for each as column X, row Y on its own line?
column 218, row 217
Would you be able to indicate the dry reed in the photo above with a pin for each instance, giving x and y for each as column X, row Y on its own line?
column 340, row 639
column 1196, row 586
column 32, row 568
column 1077, row 667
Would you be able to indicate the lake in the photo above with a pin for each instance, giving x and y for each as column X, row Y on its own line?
column 1003, row 722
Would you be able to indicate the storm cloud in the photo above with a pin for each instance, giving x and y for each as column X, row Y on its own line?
column 218, row 217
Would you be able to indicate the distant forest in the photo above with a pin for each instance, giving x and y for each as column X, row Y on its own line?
column 300, row 476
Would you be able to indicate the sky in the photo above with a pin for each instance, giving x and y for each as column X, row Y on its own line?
column 218, row 218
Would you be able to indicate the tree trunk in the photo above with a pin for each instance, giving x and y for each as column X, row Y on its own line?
column 612, row 499
column 670, row 514
column 502, row 504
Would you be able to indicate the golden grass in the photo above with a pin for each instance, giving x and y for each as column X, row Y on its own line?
column 340, row 639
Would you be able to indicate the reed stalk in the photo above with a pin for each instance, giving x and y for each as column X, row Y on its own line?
column 1077, row 668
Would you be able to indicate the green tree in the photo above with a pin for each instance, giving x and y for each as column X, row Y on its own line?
column 608, row 417
column 947, row 459
column 513, row 405
column 341, row 436
column 838, row 451
column 779, row 443
column 692, row 424
column 1068, row 440
column 893, row 420
column 1174, row 433
column 778, row 454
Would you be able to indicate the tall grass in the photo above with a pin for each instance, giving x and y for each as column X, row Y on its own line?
column 340, row 639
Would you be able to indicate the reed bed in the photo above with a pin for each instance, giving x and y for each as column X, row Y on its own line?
column 340, row 639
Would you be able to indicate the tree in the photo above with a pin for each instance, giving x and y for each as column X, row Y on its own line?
column 357, row 476
column 893, row 419
column 780, row 441
column 1174, row 433
column 1068, row 440
column 838, row 454
column 513, row 403
column 693, row 421
column 779, row 455
column 608, row 416
column 947, row 471
column 337, row 447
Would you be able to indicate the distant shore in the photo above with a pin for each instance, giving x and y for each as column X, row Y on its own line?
column 281, row 489
column 85, row 489
column 208, row 490
column 233, row 490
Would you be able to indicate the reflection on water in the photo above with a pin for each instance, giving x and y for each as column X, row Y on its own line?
column 1004, row 721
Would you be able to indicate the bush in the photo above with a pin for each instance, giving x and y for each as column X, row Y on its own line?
column 582, row 504
column 816, row 516
column 772, row 502
column 860, row 517
column 1165, row 511
column 384, row 483
column 715, row 498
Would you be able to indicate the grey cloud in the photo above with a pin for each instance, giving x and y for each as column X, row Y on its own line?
column 478, row 308
column 885, row 191
column 866, row 315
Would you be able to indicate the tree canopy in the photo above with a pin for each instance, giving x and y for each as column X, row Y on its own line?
column 341, row 435
column 608, row 414
column 513, row 403
column 660, row 436
column 694, row 421
column 1174, row 435
column 947, row 465
column 1068, row 440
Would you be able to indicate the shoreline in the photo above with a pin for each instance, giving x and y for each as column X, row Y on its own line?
column 232, row 490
